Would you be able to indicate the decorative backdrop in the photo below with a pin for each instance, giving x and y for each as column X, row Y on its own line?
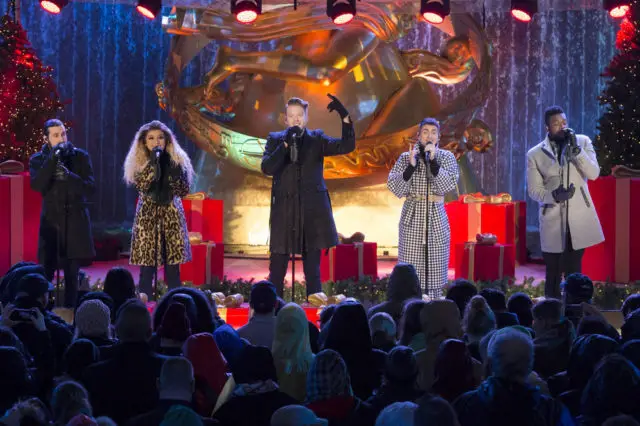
column 107, row 60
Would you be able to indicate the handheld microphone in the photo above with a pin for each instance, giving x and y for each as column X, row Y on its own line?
column 421, row 149
column 158, row 152
column 294, row 135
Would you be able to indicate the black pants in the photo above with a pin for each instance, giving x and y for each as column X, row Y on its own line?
column 147, row 273
column 71, row 268
column 279, row 264
column 569, row 262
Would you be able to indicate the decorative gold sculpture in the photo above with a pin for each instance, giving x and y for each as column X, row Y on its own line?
column 386, row 90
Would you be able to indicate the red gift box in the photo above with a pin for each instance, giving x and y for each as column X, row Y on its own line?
column 237, row 317
column 465, row 223
column 349, row 261
column 20, row 208
column 485, row 262
column 207, row 262
column 617, row 203
column 205, row 216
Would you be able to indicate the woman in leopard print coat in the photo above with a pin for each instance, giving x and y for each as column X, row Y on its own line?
column 161, row 172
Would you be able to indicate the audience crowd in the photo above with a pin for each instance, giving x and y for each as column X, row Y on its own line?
column 470, row 359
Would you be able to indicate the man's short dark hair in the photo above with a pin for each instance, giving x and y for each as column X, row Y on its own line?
column 548, row 309
column 630, row 304
column 263, row 297
column 460, row 292
column 495, row 298
column 54, row 122
column 298, row 101
column 578, row 288
column 550, row 112
column 429, row 121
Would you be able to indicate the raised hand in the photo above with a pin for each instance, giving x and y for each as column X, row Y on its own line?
column 336, row 105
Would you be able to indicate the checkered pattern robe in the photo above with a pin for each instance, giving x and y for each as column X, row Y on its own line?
column 412, row 239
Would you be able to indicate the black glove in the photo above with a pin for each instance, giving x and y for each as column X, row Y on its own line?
column 561, row 194
column 336, row 105
column 435, row 167
column 573, row 150
column 61, row 173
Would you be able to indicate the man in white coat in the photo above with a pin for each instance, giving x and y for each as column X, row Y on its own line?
column 557, row 172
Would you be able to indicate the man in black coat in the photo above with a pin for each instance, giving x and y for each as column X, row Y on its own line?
column 301, row 218
column 63, row 175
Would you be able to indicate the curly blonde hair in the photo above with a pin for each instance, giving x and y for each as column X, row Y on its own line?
column 138, row 155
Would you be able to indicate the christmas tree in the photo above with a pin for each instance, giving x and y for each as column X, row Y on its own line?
column 619, row 140
column 28, row 95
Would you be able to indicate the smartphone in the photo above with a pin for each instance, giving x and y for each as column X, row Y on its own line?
column 22, row 315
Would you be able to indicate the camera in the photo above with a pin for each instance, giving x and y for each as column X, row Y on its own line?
column 22, row 315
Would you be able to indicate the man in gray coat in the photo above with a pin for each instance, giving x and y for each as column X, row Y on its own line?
column 557, row 172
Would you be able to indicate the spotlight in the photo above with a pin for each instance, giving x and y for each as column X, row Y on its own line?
column 341, row 11
column 246, row 11
column 149, row 8
column 617, row 8
column 434, row 11
column 53, row 6
column 523, row 10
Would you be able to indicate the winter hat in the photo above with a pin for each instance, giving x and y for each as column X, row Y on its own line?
column 296, row 415
column 78, row 356
column 401, row 364
column 175, row 323
column 93, row 319
column 263, row 297
column 255, row 364
column 383, row 322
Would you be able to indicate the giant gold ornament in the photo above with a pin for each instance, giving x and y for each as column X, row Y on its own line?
column 386, row 90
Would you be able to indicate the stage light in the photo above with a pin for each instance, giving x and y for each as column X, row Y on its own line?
column 246, row 11
column 53, row 6
column 523, row 10
column 617, row 8
column 149, row 8
column 341, row 11
column 434, row 11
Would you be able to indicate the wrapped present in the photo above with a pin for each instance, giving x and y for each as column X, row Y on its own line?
column 207, row 262
column 617, row 202
column 465, row 221
column 318, row 299
column 336, row 299
column 233, row 301
column 218, row 298
column 20, row 208
column 349, row 261
column 204, row 215
column 483, row 262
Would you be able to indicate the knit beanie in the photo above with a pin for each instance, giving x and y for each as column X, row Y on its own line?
column 93, row 319
column 175, row 323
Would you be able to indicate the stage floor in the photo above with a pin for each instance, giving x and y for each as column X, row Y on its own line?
column 258, row 268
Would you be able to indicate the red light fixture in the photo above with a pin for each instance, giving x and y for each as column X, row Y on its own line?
column 434, row 11
column 341, row 11
column 53, row 6
column 617, row 8
column 523, row 10
column 246, row 11
column 149, row 8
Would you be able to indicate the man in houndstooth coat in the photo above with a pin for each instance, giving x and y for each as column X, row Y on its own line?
column 426, row 173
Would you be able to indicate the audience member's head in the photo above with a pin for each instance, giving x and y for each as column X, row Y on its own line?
column 176, row 381
column 433, row 410
column 410, row 321
column 403, row 283
column 200, row 309
column 255, row 365
column 328, row 377
column 34, row 289
column 401, row 367
column 478, row 319
column 631, row 351
column 15, row 378
column 348, row 332
column 578, row 288
column 612, row 390
column 630, row 304
column 546, row 315
column 586, row 352
column 521, row 304
column 10, row 283
column 291, row 344
column 175, row 325
column 453, row 372
column 596, row 325
column 383, row 331
column 296, row 415
column 326, row 314
column 495, row 298
column 134, row 322
column 397, row 414
column 68, row 400
column 510, row 353
column 621, row 421
column 30, row 412
column 440, row 321
column 93, row 320
column 78, row 356
column 263, row 298
column 461, row 292
column 631, row 327
column 119, row 284
column 230, row 343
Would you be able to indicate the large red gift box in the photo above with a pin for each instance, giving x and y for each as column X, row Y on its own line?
column 20, row 208
column 617, row 202
column 205, row 216
column 349, row 261
column 207, row 263
column 485, row 262
column 506, row 220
